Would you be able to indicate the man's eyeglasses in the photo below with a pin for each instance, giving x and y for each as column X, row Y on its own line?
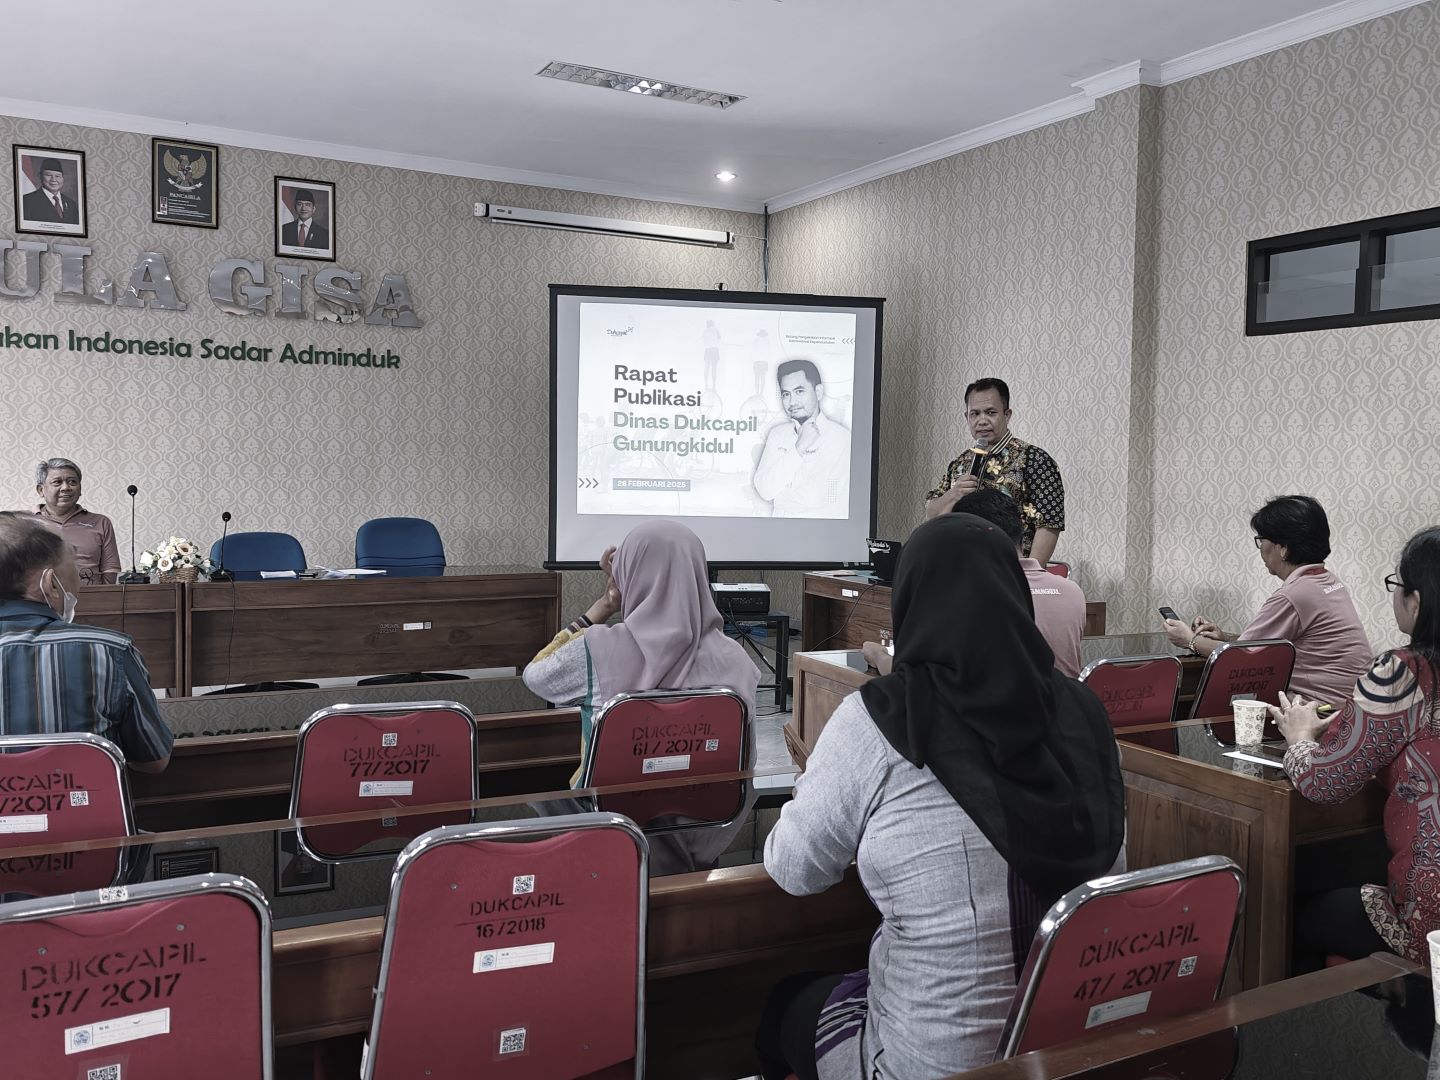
column 1258, row 539
column 1393, row 582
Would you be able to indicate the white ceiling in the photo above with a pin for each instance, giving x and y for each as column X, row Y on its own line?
column 831, row 86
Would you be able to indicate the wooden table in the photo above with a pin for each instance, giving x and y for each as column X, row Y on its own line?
column 219, row 633
column 717, row 940
column 153, row 615
column 845, row 612
column 1178, row 806
column 824, row 678
column 269, row 631
column 732, row 928
column 1168, row 1046
column 226, row 779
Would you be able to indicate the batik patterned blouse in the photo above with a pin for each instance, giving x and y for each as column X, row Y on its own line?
column 1024, row 472
column 1389, row 729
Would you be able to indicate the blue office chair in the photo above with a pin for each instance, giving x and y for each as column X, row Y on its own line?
column 247, row 553
column 401, row 546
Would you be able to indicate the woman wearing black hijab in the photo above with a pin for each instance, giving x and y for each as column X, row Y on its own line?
column 973, row 786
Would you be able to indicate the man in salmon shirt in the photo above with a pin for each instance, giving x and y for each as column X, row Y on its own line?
column 1312, row 608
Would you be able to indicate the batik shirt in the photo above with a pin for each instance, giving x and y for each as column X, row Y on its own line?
column 1024, row 472
column 1389, row 730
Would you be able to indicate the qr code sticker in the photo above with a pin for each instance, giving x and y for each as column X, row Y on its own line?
column 104, row 1072
column 389, row 738
column 79, row 798
column 524, row 883
column 711, row 745
column 1187, row 966
column 389, row 822
column 512, row 1041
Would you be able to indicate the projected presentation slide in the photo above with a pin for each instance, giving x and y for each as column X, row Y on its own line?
column 748, row 416
column 718, row 412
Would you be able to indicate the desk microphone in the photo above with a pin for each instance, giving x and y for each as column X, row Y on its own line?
column 133, row 576
column 220, row 573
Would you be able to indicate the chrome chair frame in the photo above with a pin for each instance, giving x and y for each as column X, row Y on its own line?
column 1112, row 885
column 542, row 828
column 51, row 907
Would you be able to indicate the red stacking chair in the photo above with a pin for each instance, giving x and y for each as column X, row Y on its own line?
column 373, row 757
column 1149, row 943
column 167, row 979
column 1138, row 690
column 670, row 735
column 514, row 949
column 54, row 789
column 1059, row 569
column 1258, row 669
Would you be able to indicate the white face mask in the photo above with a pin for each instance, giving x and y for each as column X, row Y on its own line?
column 68, row 600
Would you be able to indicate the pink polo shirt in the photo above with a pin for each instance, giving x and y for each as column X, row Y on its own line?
column 1313, row 611
column 93, row 539
column 1059, row 613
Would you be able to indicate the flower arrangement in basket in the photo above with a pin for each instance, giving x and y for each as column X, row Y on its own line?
column 177, row 559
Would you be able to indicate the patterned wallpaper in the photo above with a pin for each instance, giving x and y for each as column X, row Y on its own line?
column 1013, row 260
column 1333, row 130
column 460, row 435
column 1098, row 266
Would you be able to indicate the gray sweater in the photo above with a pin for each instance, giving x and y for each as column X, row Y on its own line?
column 942, row 965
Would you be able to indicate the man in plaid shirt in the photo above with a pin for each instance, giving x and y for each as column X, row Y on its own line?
column 59, row 677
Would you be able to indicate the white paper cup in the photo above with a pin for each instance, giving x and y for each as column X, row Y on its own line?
column 1250, row 716
column 1433, row 937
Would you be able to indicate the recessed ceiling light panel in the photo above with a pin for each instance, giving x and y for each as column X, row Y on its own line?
column 725, row 176
column 637, row 84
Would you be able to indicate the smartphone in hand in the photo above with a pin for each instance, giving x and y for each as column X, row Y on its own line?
column 1169, row 613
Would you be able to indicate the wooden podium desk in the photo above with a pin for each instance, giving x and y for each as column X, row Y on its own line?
column 1178, row 806
column 153, row 615
column 276, row 630
column 845, row 612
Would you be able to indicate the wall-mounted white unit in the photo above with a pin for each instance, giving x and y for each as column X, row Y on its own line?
column 551, row 219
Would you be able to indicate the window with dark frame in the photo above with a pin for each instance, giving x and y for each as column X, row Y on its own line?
column 1377, row 271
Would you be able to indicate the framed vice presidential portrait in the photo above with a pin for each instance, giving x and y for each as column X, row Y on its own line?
column 304, row 218
column 184, row 183
column 50, row 191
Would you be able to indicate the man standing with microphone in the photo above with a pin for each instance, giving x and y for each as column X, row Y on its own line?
column 1001, row 461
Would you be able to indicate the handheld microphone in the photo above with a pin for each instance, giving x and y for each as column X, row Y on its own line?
column 220, row 573
column 133, row 576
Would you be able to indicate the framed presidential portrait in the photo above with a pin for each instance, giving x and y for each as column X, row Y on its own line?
column 184, row 183
column 50, row 191
column 304, row 218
